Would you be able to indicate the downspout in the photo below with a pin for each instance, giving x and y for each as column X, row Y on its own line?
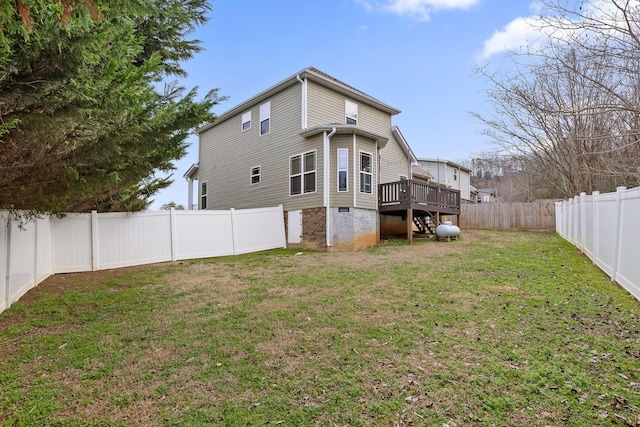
column 304, row 101
column 327, row 190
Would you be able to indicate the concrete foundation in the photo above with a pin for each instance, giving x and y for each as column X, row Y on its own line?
column 353, row 228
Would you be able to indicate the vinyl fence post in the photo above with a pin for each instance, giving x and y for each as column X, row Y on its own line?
column 616, row 251
column 172, row 230
column 7, row 285
column 283, row 235
column 232, row 212
column 94, row 240
column 595, row 227
column 583, row 225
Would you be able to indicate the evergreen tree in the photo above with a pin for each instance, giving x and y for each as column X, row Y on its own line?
column 82, row 125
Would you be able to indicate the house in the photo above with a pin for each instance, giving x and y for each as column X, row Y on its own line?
column 449, row 174
column 487, row 195
column 315, row 145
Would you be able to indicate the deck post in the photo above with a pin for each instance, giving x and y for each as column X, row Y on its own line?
column 409, row 212
column 410, row 225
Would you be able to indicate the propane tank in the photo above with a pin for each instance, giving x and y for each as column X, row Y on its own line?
column 448, row 230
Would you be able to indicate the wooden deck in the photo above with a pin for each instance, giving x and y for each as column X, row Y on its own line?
column 396, row 198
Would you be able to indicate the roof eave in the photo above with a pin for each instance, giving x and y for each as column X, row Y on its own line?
column 381, row 140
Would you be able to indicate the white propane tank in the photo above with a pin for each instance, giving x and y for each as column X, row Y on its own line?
column 448, row 230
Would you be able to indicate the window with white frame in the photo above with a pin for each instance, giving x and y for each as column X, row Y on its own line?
column 203, row 195
column 246, row 121
column 256, row 175
column 302, row 173
column 265, row 118
column 351, row 112
column 366, row 172
column 343, row 169
column 455, row 174
column 404, row 178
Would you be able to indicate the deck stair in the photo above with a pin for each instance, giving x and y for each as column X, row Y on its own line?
column 425, row 223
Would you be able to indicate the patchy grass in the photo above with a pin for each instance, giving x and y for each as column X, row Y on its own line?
column 496, row 329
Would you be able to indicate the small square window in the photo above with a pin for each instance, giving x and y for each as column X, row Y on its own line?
column 255, row 175
column 246, row 121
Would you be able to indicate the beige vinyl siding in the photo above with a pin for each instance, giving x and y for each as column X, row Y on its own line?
column 365, row 200
column 326, row 106
column 227, row 155
column 393, row 162
column 338, row 198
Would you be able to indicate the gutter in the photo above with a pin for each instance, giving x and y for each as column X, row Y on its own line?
column 327, row 190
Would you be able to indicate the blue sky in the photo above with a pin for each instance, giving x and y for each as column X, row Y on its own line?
column 416, row 55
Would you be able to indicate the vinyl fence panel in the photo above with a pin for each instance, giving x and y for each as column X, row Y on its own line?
column 31, row 252
column 258, row 229
column 72, row 243
column 127, row 239
column 606, row 228
column 22, row 238
column 203, row 234
column 628, row 268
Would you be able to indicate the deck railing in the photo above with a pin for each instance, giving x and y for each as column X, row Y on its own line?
column 406, row 194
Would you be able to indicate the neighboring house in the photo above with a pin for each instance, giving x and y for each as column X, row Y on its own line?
column 450, row 174
column 487, row 195
column 313, row 144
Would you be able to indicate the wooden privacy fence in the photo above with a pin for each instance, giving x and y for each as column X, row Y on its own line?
column 605, row 227
column 538, row 215
column 31, row 252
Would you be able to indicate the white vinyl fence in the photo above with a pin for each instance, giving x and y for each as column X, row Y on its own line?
column 606, row 227
column 31, row 252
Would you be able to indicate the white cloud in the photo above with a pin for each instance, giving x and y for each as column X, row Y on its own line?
column 418, row 9
column 517, row 34
column 526, row 33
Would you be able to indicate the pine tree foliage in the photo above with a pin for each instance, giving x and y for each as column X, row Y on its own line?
column 83, row 124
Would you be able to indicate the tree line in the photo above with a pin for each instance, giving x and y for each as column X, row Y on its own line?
column 566, row 113
column 90, row 107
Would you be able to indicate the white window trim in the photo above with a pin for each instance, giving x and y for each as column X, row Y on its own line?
column 346, row 170
column 303, row 172
column 245, row 120
column 259, row 175
column 349, row 108
column 265, row 114
column 403, row 177
column 361, row 172
column 203, row 196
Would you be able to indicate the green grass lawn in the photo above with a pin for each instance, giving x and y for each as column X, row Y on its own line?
column 496, row 329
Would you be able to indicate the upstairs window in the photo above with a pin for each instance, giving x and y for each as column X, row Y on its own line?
column 302, row 173
column 366, row 172
column 265, row 118
column 256, row 175
column 246, row 121
column 203, row 195
column 351, row 112
column 343, row 168
column 455, row 174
